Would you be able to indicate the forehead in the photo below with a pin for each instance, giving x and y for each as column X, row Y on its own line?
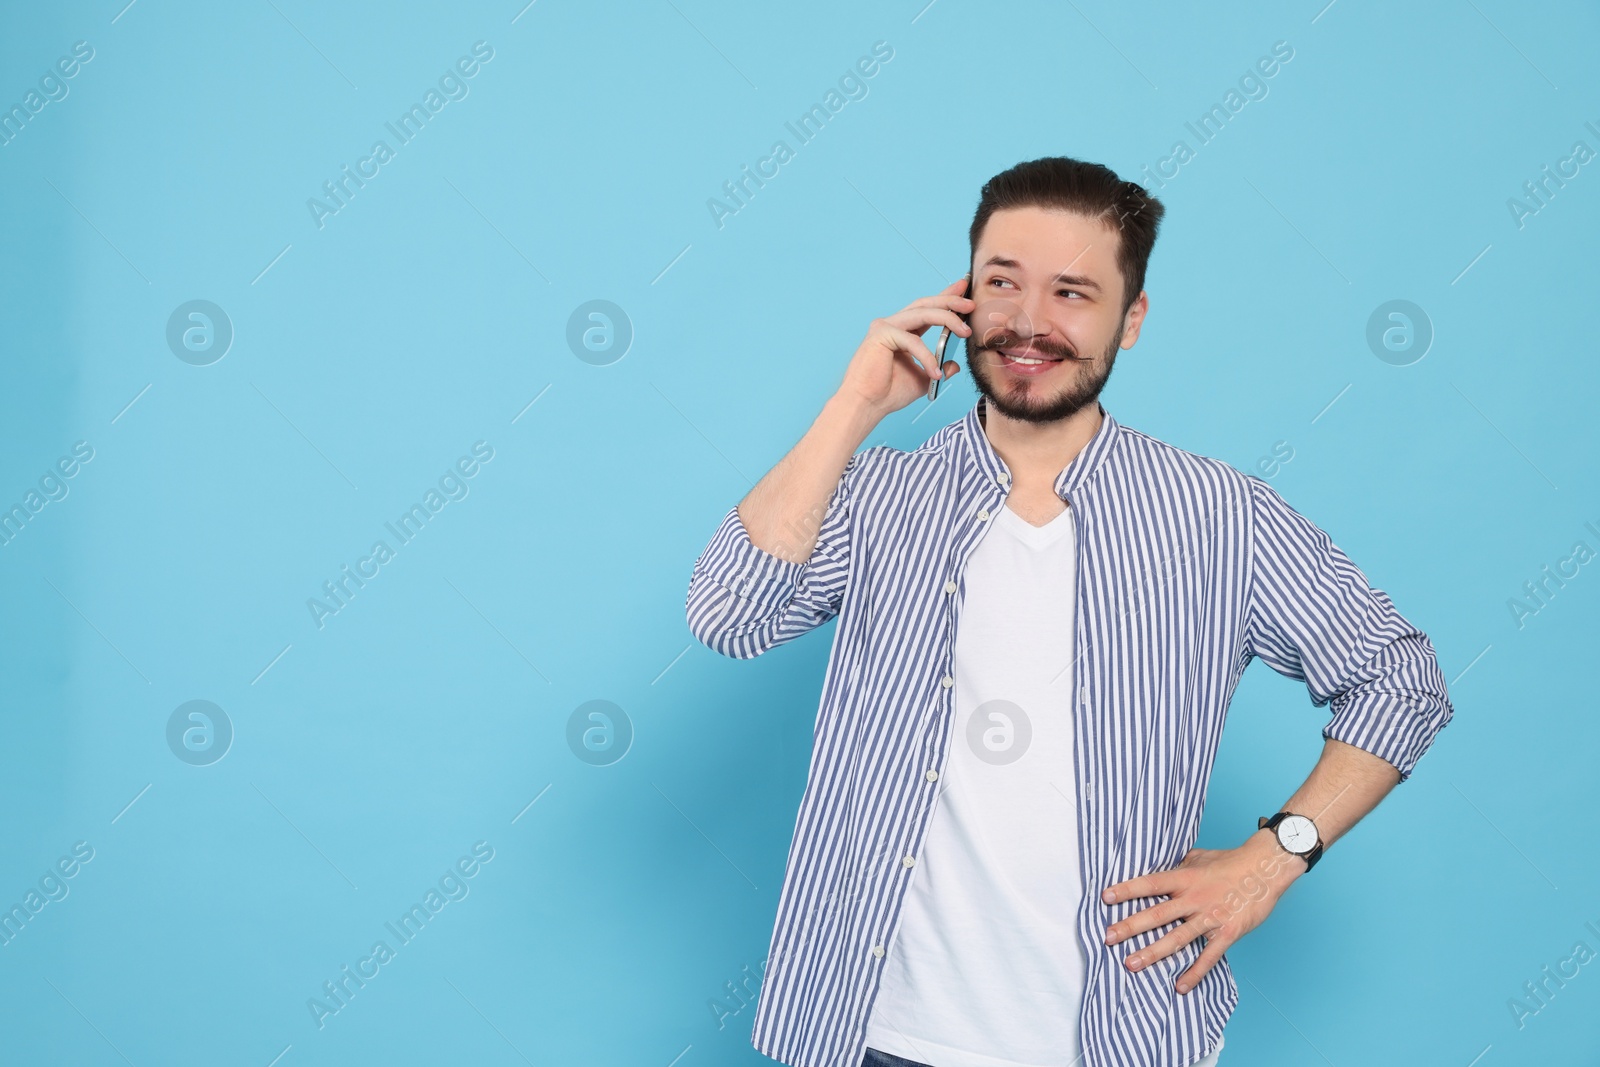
column 1046, row 240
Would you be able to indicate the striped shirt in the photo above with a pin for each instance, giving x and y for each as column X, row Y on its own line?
column 1187, row 570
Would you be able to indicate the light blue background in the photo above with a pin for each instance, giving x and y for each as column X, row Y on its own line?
column 430, row 311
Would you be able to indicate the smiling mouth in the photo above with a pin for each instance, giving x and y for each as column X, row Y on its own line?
column 1033, row 358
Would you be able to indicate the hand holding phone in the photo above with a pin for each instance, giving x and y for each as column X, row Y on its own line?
column 893, row 365
column 944, row 338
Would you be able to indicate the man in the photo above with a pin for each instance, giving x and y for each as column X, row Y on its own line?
column 1042, row 617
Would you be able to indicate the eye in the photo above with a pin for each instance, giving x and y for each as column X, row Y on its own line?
column 998, row 281
column 1072, row 292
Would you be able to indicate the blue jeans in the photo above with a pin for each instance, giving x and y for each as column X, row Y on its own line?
column 874, row 1058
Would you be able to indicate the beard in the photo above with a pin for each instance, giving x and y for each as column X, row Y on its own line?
column 1083, row 379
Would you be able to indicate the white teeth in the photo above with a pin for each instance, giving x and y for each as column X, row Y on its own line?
column 1025, row 361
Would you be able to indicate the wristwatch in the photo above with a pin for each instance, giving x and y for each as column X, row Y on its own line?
column 1297, row 834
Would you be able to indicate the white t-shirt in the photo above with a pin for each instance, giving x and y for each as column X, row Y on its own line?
column 986, row 968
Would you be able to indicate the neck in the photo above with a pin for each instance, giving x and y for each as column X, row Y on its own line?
column 1035, row 451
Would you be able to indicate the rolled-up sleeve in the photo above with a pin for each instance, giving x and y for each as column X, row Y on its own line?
column 1313, row 617
column 744, row 600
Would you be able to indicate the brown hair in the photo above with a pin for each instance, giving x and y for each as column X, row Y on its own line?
column 1086, row 189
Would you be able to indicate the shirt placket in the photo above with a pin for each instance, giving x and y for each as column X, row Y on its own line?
column 973, row 523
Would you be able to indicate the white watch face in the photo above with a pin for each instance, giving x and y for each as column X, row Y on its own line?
column 1297, row 833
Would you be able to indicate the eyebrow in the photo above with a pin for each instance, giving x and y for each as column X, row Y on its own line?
column 1079, row 280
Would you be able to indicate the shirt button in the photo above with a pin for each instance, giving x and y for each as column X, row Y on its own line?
column 931, row 775
column 983, row 515
column 950, row 587
column 1002, row 477
column 908, row 861
column 877, row 950
column 947, row 681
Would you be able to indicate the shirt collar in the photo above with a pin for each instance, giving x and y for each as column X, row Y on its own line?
column 1072, row 476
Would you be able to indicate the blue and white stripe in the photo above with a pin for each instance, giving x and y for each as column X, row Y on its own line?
column 1187, row 569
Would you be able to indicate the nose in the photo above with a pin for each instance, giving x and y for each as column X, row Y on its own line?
column 1014, row 321
column 1034, row 314
column 1005, row 321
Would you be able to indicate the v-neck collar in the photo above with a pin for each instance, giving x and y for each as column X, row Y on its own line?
column 1038, row 536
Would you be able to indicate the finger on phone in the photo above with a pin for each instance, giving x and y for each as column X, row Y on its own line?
column 918, row 319
column 953, row 301
column 957, row 292
column 912, row 345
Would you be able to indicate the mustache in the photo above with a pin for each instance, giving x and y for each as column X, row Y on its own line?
column 1004, row 339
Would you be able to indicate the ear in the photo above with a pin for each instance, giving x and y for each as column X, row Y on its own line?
column 1134, row 319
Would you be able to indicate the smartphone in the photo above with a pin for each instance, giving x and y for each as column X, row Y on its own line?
column 944, row 339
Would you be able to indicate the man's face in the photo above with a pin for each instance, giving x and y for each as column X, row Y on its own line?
column 1049, row 318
